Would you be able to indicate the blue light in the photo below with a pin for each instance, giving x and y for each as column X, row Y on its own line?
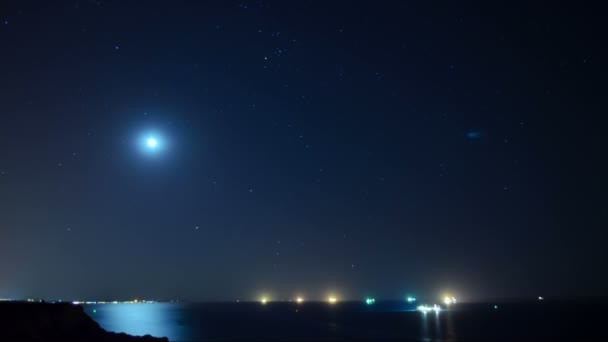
column 473, row 135
column 152, row 142
column 141, row 319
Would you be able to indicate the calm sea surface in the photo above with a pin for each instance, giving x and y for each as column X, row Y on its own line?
column 383, row 321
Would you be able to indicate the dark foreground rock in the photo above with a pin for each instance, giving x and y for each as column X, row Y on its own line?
column 23, row 321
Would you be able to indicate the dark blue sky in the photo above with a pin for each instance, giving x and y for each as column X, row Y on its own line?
column 356, row 148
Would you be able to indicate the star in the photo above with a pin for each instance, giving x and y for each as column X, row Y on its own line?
column 152, row 143
column 473, row 135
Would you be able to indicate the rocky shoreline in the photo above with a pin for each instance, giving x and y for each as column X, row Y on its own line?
column 23, row 321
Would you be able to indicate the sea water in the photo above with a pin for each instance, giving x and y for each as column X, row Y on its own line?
column 381, row 321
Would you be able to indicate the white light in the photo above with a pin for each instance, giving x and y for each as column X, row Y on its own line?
column 332, row 300
column 449, row 300
column 426, row 308
column 152, row 142
column 264, row 300
column 300, row 300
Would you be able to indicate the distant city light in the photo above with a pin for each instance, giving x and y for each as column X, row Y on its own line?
column 540, row 298
column 369, row 301
column 411, row 299
column 332, row 300
column 299, row 300
column 135, row 301
column 449, row 300
column 264, row 300
column 426, row 308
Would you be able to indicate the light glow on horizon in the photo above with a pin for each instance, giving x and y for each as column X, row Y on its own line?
column 425, row 308
column 449, row 300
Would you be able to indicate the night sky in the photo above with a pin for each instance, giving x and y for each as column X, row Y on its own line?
column 377, row 148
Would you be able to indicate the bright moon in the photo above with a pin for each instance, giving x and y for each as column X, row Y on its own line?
column 152, row 142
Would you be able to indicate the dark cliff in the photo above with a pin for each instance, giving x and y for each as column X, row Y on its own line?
column 22, row 321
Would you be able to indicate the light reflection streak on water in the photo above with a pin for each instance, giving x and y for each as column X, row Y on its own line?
column 451, row 333
column 434, row 332
column 437, row 324
column 424, row 328
column 157, row 319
